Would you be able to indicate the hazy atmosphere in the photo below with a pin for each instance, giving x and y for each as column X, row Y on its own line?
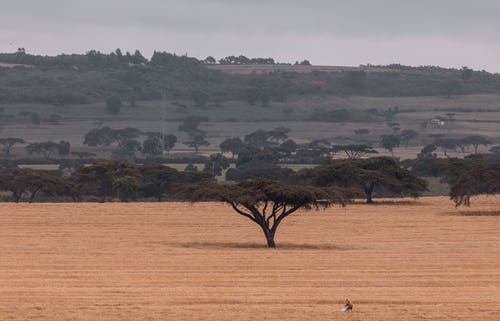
column 235, row 160
column 446, row 33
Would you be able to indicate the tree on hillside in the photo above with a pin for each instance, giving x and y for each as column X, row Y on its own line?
column 476, row 141
column 46, row 149
column 354, row 151
column 64, row 148
column 8, row 143
column 382, row 173
column 233, row 145
column 389, row 142
column 288, row 147
column 362, row 132
column 265, row 202
column 124, row 138
column 156, row 143
column 113, row 105
column 216, row 164
column 197, row 140
column 447, row 144
column 197, row 137
column 407, row 135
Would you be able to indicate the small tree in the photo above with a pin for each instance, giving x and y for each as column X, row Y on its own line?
column 216, row 164
column 355, row 151
column 264, row 202
column 64, row 148
column 407, row 135
column 157, row 180
column 113, row 105
column 8, row 143
column 233, row 145
column 389, row 142
column 482, row 178
column 197, row 140
column 475, row 141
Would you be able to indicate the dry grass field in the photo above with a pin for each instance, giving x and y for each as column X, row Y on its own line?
column 410, row 260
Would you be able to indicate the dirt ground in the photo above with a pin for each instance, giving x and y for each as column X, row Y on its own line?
column 411, row 260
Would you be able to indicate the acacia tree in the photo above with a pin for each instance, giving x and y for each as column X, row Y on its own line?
column 21, row 181
column 354, row 151
column 475, row 141
column 157, row 180
column 101, row 178
column 369, row 174
column 389, row 142
column 233, row 145
column 8, row 143
column 265, row 202
column 482, row 178
column 407, row 135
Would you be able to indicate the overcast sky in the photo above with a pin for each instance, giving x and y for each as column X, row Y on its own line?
column 451, row 33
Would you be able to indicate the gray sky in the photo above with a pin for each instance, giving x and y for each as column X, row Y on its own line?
column 451, row 33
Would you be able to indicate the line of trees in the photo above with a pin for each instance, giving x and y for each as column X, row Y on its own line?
column 101, row 181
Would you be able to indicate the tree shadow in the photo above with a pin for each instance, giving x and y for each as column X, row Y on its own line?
column 259, row 246
column 391, row 202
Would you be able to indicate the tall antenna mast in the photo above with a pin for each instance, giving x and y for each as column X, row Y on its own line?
column 164, row 120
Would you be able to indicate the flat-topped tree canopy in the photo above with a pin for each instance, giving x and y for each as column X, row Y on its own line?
column 265, row 202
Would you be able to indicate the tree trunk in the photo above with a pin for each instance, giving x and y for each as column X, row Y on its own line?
column 270, row 242
column 33, row 195
column 369, row 193
column 269, row 236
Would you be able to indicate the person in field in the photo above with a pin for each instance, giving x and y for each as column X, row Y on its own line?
column 347, row 306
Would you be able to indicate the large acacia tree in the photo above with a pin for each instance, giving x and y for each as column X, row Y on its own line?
column 382, row 173
column 265, row 202
column 480, row 178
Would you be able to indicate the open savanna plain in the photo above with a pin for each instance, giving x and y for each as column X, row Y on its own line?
column 398, row 260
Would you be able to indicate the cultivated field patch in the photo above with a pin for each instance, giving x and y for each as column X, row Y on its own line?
column 180, row 261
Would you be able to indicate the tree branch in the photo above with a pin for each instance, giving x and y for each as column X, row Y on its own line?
column 235, row 207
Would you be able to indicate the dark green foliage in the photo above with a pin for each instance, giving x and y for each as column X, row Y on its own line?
column 481, row 178
column 158, row 180
column 233, row 145
column 259, row 169
column 113, row 105
column 215, row 164
column 64, row 148
column 408, row 135
column 390, row 142
column 156, row 143
column 354, row 151
column 23, row 181
column 265, row 202
column 46, row 149
column 475, row 141
column 124, row 138
column 8, row 143
column 382, row 174
column 101, row 179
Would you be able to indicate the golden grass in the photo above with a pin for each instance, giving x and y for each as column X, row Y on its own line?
column 176, row 261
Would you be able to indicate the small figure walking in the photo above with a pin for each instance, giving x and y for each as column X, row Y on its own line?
column 347, row 306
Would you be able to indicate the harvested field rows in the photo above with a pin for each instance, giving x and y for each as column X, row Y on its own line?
column 412, row 260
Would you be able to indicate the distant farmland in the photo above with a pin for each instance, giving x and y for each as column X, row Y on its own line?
column 259, row 69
